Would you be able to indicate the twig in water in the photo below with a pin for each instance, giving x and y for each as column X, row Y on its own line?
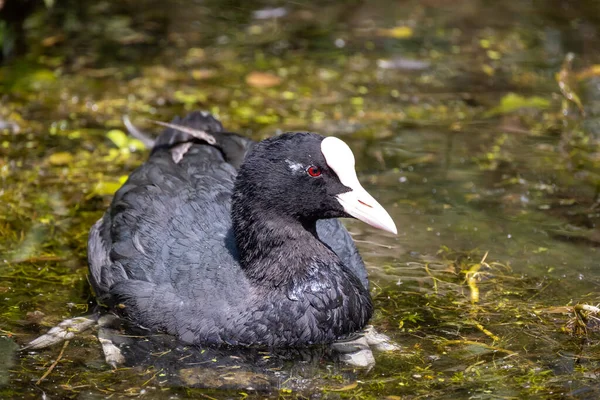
column 152, row 377
column 54, row 363
column 198, row 134
column 486, row 331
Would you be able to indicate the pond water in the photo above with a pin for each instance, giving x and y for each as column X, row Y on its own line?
column 476, row 124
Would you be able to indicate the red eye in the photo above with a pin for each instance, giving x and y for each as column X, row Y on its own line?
column 314, row 171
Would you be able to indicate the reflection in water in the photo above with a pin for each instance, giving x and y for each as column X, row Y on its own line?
column 228, row 368
column 236, row 369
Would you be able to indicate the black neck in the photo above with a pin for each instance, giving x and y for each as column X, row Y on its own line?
column 279, row 251
column 275, row 250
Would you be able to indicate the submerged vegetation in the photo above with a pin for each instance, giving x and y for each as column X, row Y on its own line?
column 479, row 122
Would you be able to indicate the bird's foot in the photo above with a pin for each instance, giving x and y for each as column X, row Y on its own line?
column 358, row 351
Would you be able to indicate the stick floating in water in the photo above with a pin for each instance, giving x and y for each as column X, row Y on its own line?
column 198, row 134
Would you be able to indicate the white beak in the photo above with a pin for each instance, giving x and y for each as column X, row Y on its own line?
column 361, row 205
column 357, row 202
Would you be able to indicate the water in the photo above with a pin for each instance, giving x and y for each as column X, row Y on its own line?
column 459, row 127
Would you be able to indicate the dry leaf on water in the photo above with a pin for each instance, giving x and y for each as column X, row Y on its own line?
column 262, row 79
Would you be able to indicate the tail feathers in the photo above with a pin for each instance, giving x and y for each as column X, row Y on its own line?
column 198, row 125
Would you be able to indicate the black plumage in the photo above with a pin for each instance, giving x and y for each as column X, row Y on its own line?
column 195, row 247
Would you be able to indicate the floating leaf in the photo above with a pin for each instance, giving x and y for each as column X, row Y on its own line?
column 106, row 188
column 190, row 98
column 60, row 158
column 494, row 55
column 118, row 137
column 403, row 63
column 136, row 145
column 513, row 102
column 199, row 74
column 195, row 55
column 262, row 79
column 399, row 32
column 52, row 40
column 488, row 70
column 244, row 112
column 124, row 142
column 268, row 13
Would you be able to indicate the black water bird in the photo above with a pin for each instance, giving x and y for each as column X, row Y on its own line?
column 237, row 242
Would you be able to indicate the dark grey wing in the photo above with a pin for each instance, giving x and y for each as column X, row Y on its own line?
column 162, row 201
column 159, row 175
column 233, row 146
column 164, row 254
column 336, row 236
column 98, row 252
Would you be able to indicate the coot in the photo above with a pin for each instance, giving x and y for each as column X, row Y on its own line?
column 236, row 242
